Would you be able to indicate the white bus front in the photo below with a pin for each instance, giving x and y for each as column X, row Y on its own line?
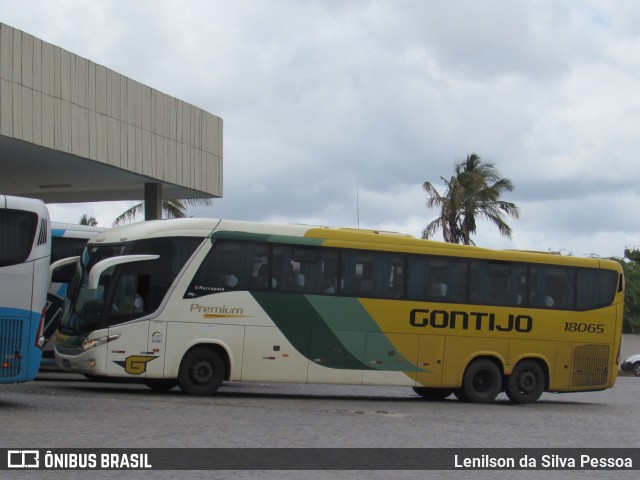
column 108, row 327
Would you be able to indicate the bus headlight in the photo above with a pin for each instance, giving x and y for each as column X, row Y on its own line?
column 95, row 342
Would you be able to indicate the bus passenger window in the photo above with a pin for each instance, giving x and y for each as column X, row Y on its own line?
column 329, row 272
column 596, row 288
column 438, row 280
column 552, row 287
column 396, row 279
column 314, row 270
column 219, row 271
column 357, row 274
column 227, row 269
column 282, row 265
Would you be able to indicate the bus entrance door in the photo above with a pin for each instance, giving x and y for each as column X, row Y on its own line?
column 127, row 353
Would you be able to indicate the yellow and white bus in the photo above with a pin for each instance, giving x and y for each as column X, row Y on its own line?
column 196, row 302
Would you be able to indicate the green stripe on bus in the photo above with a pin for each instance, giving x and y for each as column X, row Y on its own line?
column 230, row 235
column 263, row 237
column 326, row 347
column 346, row 316
column 341, row 332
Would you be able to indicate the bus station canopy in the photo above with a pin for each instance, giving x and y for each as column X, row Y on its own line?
column 75, row 131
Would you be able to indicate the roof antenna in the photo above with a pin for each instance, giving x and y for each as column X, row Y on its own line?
column 358, row 208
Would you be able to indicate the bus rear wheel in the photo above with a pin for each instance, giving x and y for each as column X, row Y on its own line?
column 482, row 381
column 201, row 372
column 433, row 394
column 526, row 382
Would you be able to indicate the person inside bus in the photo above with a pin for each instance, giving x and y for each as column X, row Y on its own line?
column 438, row 290
column 330, row 277
column 296, row 278
column 138, row 303
column 229, row 269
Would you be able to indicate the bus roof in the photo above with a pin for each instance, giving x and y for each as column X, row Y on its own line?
column 180, row 227
column 330, row 236
column 22, row 203
column 59, row 229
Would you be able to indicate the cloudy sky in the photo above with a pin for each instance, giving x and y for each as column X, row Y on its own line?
column 335, row 112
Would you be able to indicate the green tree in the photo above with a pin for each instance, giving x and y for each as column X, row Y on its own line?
column 473, row 192
column 87, row 220
column 631, row 266
column 170, row 209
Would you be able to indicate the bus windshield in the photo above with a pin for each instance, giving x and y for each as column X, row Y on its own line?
column 125, row 291
column 81, row 307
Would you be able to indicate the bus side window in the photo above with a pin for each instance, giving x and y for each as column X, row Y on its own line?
column 552, row 287
column 417, row 274
column 329, row 269
column 357, row 274
column 519, row 286
column 307, row 277
column 286, row 272
column 596, row 288
column 282, row 268
column 241, row 265
column 315, row 270
column 392, row 277
column 219, row 271
column 498, row 278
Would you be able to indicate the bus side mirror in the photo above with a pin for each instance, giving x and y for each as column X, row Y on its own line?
column 99, row 268
column 56, row 267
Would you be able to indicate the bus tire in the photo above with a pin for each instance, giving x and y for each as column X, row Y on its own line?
column 526, row 382
column 433, row 394
column 201, row 372
column 482, row 381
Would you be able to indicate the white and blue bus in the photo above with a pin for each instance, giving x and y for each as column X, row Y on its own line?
column 67, row 240
column 25, row 251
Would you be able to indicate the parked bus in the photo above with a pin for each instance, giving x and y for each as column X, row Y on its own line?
column 67, row 240
column 195, row 302
column 25, row 248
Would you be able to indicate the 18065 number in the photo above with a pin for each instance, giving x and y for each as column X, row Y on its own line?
column 583, row 327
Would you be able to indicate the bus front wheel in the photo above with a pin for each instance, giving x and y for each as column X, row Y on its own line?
column 201, row 372
column 482, row 381
column 526, row 382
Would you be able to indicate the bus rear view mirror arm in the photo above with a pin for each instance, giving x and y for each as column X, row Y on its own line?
column 101, row 266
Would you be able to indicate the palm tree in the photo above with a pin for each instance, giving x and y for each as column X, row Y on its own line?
column 473, row 191
column 449, row 204
column 171, row 209
column 87, row 220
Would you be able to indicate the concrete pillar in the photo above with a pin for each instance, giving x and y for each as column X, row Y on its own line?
column 152, row 201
